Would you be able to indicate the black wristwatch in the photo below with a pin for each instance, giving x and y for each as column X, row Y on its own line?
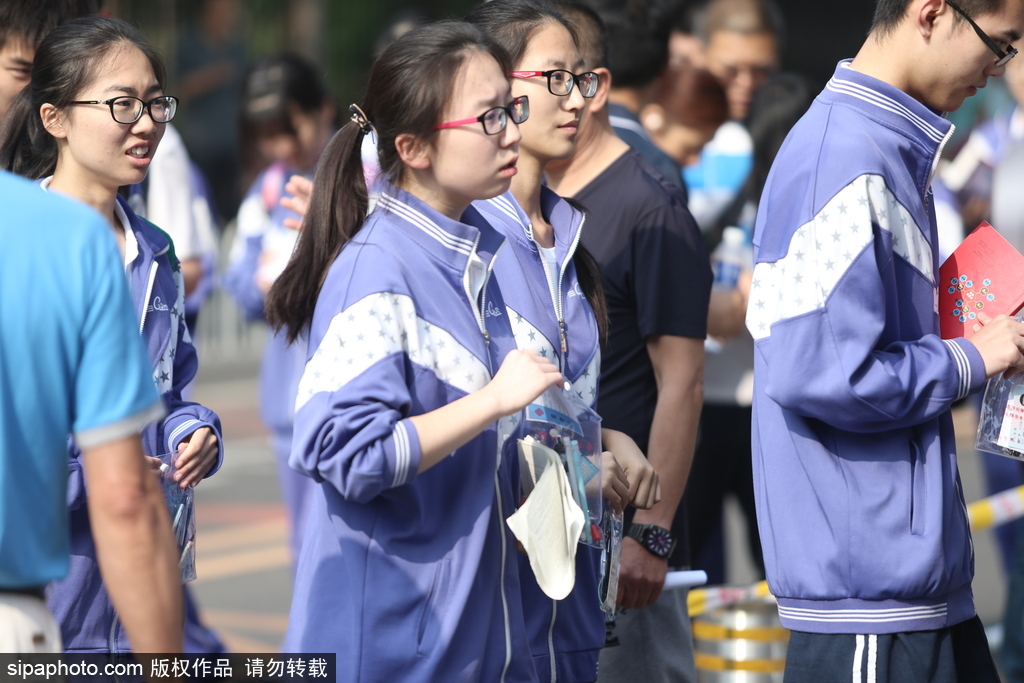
column 655, row 539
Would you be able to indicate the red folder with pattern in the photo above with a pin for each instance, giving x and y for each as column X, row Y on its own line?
column 984, row 274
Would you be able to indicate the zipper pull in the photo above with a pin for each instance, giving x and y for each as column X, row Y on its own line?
column 561, row 334
column 487, row 339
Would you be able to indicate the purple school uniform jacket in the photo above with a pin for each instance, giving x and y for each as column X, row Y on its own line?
column 859, row 502
column 406, row 576
column 80, row 602
column 566, row 636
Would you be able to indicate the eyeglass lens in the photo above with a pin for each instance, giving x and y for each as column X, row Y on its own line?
column 496, row 119
column 129, row 109
column 560, row 82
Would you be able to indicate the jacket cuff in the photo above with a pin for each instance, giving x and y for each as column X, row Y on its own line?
column 970, row 366
column 176, row 433
column 403, row 453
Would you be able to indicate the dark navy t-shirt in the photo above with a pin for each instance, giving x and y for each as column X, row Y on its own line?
column 657, row 280
column 629, row 129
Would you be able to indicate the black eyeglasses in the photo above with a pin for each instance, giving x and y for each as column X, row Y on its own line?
column 496, row 118
column 126, row 109
column 1003, row 56
column 560, row 81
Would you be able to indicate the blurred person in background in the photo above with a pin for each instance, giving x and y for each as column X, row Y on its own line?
column 684, row 109
column 23, row 25
column 637, row 56
column 287, row 119
column 211, row 63
column 684, row 46
column 87, row 148
column 722, row 465
column 741, row 48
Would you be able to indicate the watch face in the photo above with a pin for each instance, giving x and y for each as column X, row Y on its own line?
column 659, row 542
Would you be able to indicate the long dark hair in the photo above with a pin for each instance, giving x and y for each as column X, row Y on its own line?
column 511, row 24
column 64, row 65
column 408, row 88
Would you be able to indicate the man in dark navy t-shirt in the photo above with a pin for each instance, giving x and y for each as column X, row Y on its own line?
column 657, row 280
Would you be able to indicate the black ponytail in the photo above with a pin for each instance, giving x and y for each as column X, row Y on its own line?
column 64, row 65
column 591, row 279
column 408, row 88
column 336, row 211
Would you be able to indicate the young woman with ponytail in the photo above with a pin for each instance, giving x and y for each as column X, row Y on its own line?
column 556, row 303
column 89, row 123
column 407, row 569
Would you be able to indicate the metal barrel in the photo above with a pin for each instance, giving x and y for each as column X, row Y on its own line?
column 741, row 643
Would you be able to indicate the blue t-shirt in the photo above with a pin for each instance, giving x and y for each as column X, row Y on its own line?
column 71, row 361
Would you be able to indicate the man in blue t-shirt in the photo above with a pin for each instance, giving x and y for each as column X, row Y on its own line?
column 72, row 362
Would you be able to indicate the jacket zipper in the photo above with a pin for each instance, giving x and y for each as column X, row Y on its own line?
column 557, row 302
column 504, row 598
column 551, row 642
column 149, row 292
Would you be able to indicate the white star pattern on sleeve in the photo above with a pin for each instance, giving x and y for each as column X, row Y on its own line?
column 376, row 327
column 163, row 374
column 822, row 250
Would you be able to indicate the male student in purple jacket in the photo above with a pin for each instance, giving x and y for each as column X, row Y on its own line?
column 861, row 512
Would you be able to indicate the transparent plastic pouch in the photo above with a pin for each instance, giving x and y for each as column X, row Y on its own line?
column 611, row 559
column 181, row 507
column 560, row 420
column 1001, row 423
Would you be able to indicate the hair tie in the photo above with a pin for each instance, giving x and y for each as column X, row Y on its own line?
column 360, row 119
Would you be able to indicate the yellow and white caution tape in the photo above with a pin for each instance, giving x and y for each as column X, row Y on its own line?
column 984, row 514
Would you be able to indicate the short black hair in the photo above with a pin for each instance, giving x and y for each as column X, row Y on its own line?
column 637, row 46
column 593, row 37
column 29, row 21
column 889, row 13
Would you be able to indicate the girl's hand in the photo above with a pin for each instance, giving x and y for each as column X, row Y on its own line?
column 614, row 484
column 197, row 454
column 522, row 377
column 644, row 484
column 300, row 189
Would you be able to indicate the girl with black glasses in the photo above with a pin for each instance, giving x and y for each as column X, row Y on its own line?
column 89, row 123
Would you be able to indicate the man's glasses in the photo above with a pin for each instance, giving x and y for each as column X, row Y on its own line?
column 127, row 109
column 1003, row 56
column 495, row 119
column 560, row 81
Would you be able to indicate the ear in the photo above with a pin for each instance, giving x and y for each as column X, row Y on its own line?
column 604, row 84
column 53, row 121
column 652, row 117
column 925, row 13
column 413, row 152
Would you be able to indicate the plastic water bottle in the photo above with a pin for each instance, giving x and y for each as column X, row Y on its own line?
column 728, row 260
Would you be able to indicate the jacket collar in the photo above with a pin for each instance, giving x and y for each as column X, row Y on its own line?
column 884, row 102
column 151, row 243
column 566, row 220
column 453, row 242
